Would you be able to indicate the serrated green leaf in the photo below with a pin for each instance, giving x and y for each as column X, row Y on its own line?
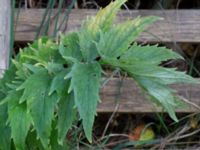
column 8, row 77
column 39, row 103
column 160, row 93
column 5, row 136
column 153, row 54
column 85, row 83
column 157, row 73
column 59, row 84
column 22, row 72
column 87, row 45
column 43, row 51
column 66, row 115
column 69, row 47
column 54, row 67
column 19, row 119
column 154, row 80
column 125, row 33
column 32, row 68
column 66, row 111
column 54, row 139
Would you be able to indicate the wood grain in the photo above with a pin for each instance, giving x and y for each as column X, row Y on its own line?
column 177, row 26
column 130, row 99
column 5, row 14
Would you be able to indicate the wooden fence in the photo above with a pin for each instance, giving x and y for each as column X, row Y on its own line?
column 124, row 95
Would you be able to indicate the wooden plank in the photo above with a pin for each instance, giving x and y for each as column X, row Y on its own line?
column 5, row 14
column 130, row 99
column 177, row 26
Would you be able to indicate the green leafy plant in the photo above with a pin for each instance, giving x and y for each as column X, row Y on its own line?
column 50, row 85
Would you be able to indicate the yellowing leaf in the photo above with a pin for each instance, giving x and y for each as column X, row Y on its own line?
column 135, row 136
column 193, row 122
column 142, row 133
column 147, row 134
column 104, row 18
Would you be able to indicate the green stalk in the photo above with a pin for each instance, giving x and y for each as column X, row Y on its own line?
column 65, row 19
column 47, row 24
column 61, row 2
column 39, row 30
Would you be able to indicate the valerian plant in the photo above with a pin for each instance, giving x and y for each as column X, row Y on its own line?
column 49, row 85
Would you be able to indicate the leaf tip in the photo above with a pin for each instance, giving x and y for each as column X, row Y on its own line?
column 60, row 141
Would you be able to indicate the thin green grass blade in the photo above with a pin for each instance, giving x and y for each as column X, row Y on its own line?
column 47, row 24
column 44, row 17
column 65, row 18
column 60, row 4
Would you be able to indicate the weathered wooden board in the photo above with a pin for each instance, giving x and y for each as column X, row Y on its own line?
column 130, row 99
column 5, row 14
column 177, row 26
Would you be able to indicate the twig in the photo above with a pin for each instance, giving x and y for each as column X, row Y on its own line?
column 115, row 135
column 189, row 102
column 185, row 135
column 169, row 139
column 111, row 76
column 115, row 143
column 110, row 120
column 165, row 141
column 114, row 112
